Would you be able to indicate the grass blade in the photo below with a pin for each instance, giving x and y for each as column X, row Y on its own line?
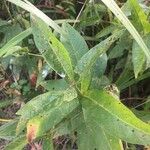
column 111, row 4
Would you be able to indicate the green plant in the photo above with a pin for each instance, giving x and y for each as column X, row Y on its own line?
column 84, row 107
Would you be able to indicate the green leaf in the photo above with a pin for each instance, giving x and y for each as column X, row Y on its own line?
column 4, row 103
column 3, row 22
column 8, row 130
column 126, row 75
column 9, row 31
column 85, row 81
column 42, row 102
column 139, row 17
column 112, row 5
column 69, row 124
column 138, row 56
column 62, row 55
column 106, row 31
column 124, row 43
column 74, row 43
column 12, row 50
column 33, row 10
column 17, row 144
column 91, row 136
column 100, row 66
column 88, row 60
column 15, row 40
column 109, row 113
column 41, row 33
column 47, row 43
column 99, row 83
column 37, row 104
column 60, row 84
column 47, row 143
column 47, row 120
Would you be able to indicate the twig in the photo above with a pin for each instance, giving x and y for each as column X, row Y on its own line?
column 77, row 18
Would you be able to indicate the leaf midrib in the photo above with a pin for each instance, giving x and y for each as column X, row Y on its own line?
column 96, row 103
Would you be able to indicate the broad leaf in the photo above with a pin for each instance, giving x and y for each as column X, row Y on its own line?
column 109, row 113
column 100, row 66
column 138, row 58
column 48, row 119
column 50, row 46
column 74, row 43
column 43, row 102
column 55, row 85
column 91, row 137
column 41, row 33
column 62, row 55
column 88, row 60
